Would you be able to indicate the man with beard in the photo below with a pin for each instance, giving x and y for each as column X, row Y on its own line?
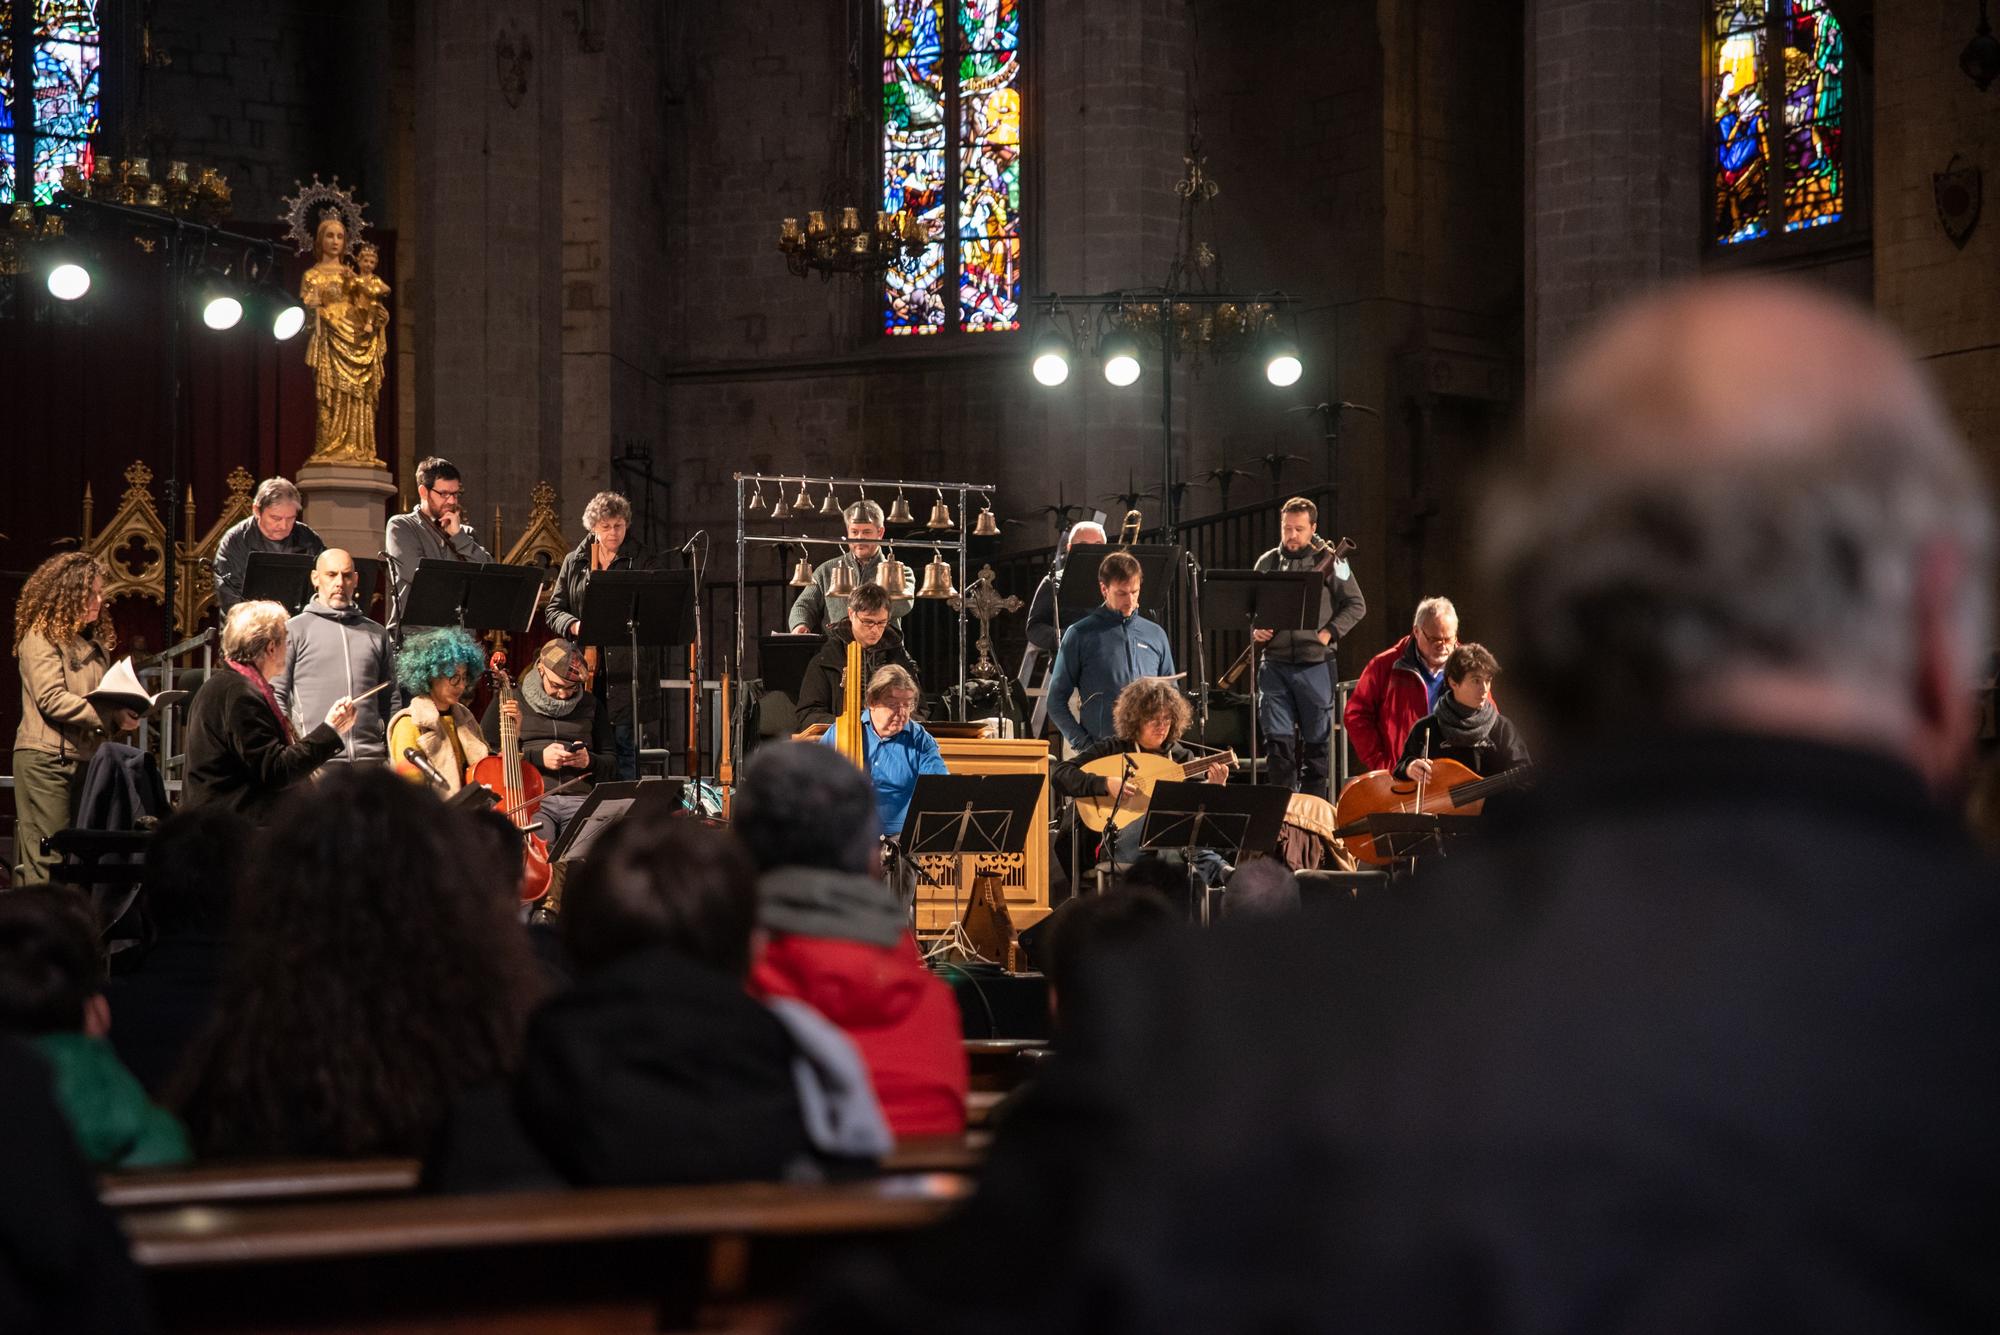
column 563, row 732
column 337, row 652
column 867, row 621
column 1295, row 676
column 432, row 530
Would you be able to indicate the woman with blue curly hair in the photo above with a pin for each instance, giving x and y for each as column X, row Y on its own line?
column 435, row 669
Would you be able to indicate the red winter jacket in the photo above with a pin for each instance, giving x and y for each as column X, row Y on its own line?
column 1387, row 702
column 903, row 1019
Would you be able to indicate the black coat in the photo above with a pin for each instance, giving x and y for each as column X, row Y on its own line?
column 237, row 755
column 820, row 694
column 587, row 725
column 1702, row 1039
column 1502, row 749
column 565, row 609
column 651, row 1070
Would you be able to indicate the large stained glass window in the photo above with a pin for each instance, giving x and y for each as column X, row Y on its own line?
column 1784, row 173
column 47, row 120
column 951, row 154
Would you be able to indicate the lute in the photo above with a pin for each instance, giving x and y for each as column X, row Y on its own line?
column 1146, row 769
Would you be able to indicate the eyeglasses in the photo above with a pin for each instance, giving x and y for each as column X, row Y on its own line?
column 447, row 495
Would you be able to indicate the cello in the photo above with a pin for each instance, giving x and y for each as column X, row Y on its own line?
column 1453, row 790
column 518, row 788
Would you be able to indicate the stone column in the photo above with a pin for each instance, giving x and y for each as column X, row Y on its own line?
column 347, row 504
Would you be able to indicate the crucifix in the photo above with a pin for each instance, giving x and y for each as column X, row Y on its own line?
column 984, row 602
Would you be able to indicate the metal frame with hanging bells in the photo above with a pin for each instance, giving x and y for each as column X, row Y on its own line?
column 937, row 583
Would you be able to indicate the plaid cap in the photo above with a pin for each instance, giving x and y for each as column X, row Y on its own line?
column 561, row 658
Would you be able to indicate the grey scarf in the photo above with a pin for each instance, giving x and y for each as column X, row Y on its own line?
column 545, row 704
column 1460, row 726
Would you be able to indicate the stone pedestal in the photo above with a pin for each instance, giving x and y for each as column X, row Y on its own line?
column 347, row 504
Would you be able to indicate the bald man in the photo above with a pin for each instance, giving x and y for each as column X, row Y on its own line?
column 1702, row 1036
column 336, row 650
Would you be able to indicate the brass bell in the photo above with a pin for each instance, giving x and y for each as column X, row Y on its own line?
column 758, row 505
column 843, row 583
column 802, row 574
column 937, row 576
column 988, row 524
column 899, row 513
column 802, row 503
column 893, row 575
column 830, row 507
column 940, row 515
column 783, row 509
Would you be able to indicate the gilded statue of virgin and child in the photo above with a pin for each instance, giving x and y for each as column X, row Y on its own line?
column 349, row 347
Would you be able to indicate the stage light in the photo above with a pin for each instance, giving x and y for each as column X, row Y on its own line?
column 68, row 280
column 221, row 304
column 1052, row 353
column 1281, row 362
column 1121, row 358
column 288, row 319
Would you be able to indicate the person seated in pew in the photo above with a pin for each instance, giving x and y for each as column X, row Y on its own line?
column 51, row 994
column 1466, row 725
column 657, row 1067
column 370, row 981
column 191, row 865
column 838, row 940
column 867, row 621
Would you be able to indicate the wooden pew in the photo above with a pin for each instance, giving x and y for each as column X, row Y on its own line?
column 613, row 1259
column 243, row 1183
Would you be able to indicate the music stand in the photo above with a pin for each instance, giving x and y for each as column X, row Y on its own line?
column 472, row 596
column 1232, row 817
column 633, row 607
column 1401, row 835
column 1079, row 594
column 1253, row 600
column 956, row 814
column 608, row 803
column 278, row 577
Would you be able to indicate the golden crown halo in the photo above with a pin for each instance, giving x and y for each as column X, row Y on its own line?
column 316, row 203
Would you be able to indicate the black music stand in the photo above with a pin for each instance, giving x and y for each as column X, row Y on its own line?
column 1402, row 835
column 1253, row 600
column 1226, row 817
column 1079, row 594
column 286, row 577
column 955, row 814
column 634, row 607
column 472, row 596
column 609, row 802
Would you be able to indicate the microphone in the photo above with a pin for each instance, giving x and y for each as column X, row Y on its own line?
column 430, row 771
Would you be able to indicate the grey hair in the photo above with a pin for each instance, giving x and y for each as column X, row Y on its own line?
column 276, row 491
column 1432, row 609
column 863, row 511
column 800, row 804
column 606, row 505
column 251, row 628
column 890, row 678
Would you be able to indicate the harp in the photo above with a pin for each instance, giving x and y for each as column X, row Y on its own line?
column 847, row 728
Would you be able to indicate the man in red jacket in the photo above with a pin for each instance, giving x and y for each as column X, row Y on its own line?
column 839, row 941
column 1401, row 685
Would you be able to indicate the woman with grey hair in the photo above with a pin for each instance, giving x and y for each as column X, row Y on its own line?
column 241, row 750
column 607, row 545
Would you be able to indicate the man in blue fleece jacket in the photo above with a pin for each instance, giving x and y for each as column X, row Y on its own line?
column 1103, row 653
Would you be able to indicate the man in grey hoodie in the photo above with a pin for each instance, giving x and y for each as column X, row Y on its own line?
column 336, row 650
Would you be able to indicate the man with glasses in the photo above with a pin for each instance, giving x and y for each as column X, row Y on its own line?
column 564, row 733
column 816, row 605
column 433, row 530
column 1401, row 685
column 867, row 622
column 895, row 750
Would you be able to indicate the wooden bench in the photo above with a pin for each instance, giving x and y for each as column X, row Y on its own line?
column 613, row 1259
column 243, row 1183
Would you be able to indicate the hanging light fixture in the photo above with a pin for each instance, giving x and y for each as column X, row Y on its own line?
column 899, row 512
column 1120, row 351
column 987, row 525
column 940, row 514
column 849, row 245
column 1281, row 361
column 937, row 577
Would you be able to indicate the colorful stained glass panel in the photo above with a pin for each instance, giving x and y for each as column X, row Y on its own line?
column 68, row 59
column 6, row 102
column 989, row 161
column 913, row 155
column 1815, row 74
column 1742, row 160
column 989, row 285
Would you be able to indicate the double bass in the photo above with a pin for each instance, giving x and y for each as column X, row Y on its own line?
column 518, row 788
column 1452, row 790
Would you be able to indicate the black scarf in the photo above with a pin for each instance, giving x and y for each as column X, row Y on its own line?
column 545, row 704
column 1460, row 726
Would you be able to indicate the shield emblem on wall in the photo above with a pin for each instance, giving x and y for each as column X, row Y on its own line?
column 1956, row 191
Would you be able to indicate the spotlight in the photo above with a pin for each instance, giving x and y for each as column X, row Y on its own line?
column 278, row 309
column 1121, row 358
column 68, row 280
column 1052, row 353
column 221, row 307
column 1281, row 362
column 289, row 319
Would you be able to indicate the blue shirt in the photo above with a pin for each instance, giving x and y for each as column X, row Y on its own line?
column 1099, row 656
column 893, row 766
column 1433, row 680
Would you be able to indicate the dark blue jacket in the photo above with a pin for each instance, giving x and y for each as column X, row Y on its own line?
column 1100, row 656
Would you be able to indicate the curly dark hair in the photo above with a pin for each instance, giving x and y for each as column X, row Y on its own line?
column 431, row 654
column 676, row 882
column 370, row 980
column 1150, row 698
column 54, row 598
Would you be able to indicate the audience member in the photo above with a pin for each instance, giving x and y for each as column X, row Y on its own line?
column 63, row 1265
column 51, row 975
column 158, row 1008
column 1702, row 1037
column 1261, row 888
column 370, row 979
column 838, row 940
column 1089, row 928
column 657, row 1066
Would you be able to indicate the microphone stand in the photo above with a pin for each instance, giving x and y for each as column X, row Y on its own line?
column 1111, row 821
column 1200, row 650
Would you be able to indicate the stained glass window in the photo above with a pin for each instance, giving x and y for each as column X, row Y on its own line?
column 58, row 114
column 1788, row 175
column 951, row 154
